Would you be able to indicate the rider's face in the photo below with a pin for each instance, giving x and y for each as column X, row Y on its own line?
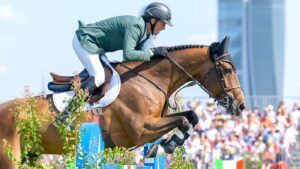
column 160, row 25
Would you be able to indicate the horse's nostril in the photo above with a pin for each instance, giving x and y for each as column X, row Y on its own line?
column 242, row 107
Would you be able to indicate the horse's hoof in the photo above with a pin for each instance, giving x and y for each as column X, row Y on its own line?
column 170, row 148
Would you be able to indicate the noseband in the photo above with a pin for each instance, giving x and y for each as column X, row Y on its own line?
column 225, row 100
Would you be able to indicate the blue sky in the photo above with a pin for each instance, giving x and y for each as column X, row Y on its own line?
column 35, row 37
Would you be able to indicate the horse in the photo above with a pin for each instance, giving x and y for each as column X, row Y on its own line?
column 139, row 114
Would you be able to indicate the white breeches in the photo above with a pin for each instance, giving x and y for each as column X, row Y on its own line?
column 90, row 61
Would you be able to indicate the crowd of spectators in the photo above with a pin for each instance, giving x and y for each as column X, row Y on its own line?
column 267, row 135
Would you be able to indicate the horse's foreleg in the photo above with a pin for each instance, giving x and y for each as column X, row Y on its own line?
column 190, row 115
column 156, row 127
column 180, row 136
column 177, row 139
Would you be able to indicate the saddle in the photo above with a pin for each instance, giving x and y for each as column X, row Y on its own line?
column 64, row 83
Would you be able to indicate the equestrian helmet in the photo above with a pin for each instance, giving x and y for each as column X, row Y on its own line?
column 158, row 10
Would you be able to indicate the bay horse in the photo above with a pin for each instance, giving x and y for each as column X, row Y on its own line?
column 138, row 115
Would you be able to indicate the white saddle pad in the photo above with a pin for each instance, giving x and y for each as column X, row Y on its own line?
column 60, row 99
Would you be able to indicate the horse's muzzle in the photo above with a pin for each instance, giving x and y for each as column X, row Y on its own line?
column 242, row 107
column 235, row 109
column 238, row 109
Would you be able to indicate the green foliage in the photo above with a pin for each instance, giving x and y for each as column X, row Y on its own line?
column 251, row 163
column 69, row 138
column 70, row 130
column 119, row 156
column 28, row 124
column 179, row 160
column 7, row 149
column 28, row 128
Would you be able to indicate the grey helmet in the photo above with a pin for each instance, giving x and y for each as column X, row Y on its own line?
column 160, row 11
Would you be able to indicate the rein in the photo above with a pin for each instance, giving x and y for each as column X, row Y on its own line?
column 225, row 100
column 139, row 74
column 189, row 84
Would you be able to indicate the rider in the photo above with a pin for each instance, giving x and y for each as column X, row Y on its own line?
column 128, row 33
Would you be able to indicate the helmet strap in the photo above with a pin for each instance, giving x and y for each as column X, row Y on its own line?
column 153, row 25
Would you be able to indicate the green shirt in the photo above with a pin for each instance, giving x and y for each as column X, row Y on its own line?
column 121, row 32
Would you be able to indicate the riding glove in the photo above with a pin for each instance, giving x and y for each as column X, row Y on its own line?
column 159, row 52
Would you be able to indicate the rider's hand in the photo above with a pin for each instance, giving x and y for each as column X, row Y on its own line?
column 159, row 52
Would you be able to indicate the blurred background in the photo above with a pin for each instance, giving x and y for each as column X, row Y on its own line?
column 35, row 39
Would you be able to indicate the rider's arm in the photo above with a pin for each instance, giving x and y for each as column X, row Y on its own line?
column 129, row 45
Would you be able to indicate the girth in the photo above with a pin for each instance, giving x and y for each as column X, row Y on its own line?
column 105, row 133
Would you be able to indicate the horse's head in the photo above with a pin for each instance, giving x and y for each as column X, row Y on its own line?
column 221, row 80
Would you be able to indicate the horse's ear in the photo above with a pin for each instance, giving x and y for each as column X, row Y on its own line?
column 224, row 45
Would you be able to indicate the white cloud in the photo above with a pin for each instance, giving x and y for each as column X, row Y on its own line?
column 9, row 14
column 206, row 39
column 4, row 70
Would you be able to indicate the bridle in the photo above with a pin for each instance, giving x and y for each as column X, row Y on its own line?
column 225, row 100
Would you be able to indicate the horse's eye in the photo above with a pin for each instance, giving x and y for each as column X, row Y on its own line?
column 227, row 71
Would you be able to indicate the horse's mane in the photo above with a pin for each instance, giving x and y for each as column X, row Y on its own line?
column 181, row 47
column 170, row 49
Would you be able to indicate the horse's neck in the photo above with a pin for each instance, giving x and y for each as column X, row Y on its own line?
column 195, row 61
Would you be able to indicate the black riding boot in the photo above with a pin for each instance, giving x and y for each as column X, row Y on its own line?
column 90, row 85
